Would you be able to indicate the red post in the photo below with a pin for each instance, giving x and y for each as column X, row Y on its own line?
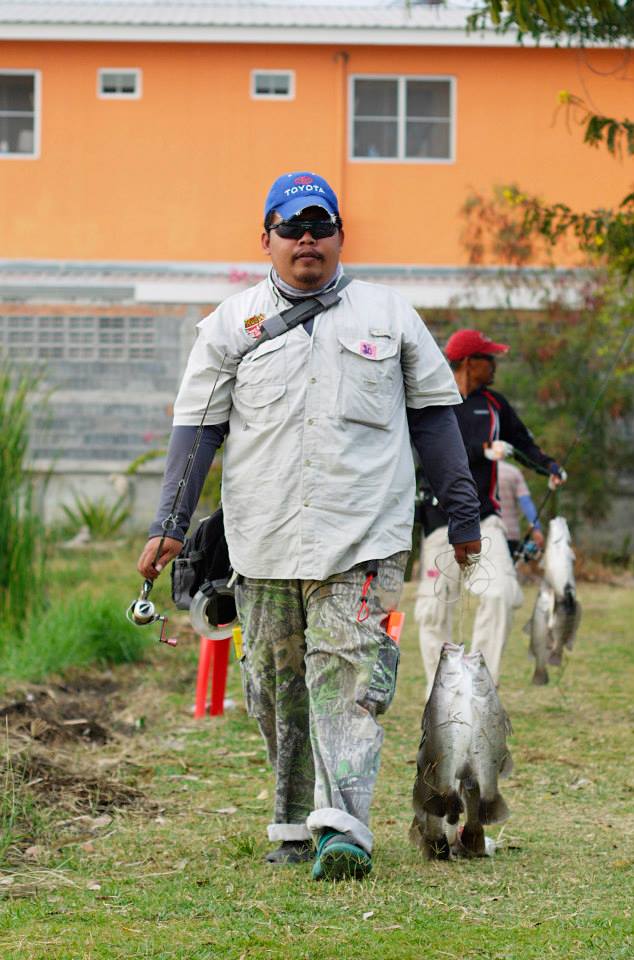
column 202, row 681
column 213, row 660
column 219, row 664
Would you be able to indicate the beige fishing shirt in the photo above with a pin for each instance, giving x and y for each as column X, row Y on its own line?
column 317, row 468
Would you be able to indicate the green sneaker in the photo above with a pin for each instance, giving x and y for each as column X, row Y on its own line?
column 340, row 859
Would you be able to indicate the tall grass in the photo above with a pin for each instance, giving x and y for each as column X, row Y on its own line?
column 21, row 531
column 75, row 632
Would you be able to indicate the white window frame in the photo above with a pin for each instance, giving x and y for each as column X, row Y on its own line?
column 402, row 78
column 273, row 96
column 37, row 113
column 138, row 73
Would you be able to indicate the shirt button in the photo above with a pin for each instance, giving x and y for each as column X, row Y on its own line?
column 310, row 422
column 313, row 379
column 306, row 503
column 307, row 463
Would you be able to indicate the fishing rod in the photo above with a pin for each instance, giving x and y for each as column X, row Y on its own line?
column 521, row 550
column 142, row 611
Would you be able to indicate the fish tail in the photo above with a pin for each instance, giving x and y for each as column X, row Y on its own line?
column 472, row 839
column 493, row 811
column 415, row 835
column 437, row 848
column 540, row 677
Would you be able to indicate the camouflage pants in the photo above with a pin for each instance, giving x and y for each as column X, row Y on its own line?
column 315, row 678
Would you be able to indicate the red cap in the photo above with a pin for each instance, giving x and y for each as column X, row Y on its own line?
column 464, row 343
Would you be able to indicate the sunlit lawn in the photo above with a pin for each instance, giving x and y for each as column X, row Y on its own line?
column 186, row 880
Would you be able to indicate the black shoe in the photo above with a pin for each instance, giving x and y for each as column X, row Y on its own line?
column 291, row 851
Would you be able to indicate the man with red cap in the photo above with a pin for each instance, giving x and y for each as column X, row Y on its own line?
column 491, row 430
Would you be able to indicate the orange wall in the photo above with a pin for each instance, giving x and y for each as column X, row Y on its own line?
column 181, row 173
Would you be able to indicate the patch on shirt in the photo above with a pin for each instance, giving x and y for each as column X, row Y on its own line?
column 432, row 573
column 253, row 325
column 367, row 349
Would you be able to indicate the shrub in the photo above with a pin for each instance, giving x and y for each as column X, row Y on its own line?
column 77, row 632
column 101, row 518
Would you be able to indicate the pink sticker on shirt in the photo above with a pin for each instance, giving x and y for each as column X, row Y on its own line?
column 367, row 349
column 432, row 573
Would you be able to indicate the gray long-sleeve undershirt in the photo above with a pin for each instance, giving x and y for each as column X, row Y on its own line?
column 434, row 432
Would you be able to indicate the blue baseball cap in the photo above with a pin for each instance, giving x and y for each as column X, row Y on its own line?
column 293, row 192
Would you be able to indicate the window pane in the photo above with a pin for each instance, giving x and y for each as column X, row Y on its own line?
column 428, row 98
column 50, row 353
column 375, row 138
column 427, row 140
column 16, row 92
column 272, row 84
column 119, row 83
column 17, row 135
column 375, row 98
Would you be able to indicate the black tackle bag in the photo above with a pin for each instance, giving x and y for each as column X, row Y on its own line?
column 203, row 564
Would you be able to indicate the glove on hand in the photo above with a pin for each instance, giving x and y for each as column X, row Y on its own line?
column 557, row 477
column 498, row 450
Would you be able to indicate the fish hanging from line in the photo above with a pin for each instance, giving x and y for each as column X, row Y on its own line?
column 557, row 612
column 462, row 754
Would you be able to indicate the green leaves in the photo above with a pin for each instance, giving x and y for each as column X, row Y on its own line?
column 508, row 227
column 594, row 20
column 102, row 519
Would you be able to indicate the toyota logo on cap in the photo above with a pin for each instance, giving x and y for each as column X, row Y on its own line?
column 302, row 180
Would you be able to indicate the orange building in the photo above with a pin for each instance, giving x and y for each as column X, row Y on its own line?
column 150, row 131
column 138, row 140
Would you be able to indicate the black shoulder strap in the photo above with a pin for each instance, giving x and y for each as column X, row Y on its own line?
column 284, row 321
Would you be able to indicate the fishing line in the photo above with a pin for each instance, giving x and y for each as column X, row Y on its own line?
column 479, row 572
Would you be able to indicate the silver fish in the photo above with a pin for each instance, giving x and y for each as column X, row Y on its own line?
column 489, row 758
column 559, row 559
column 557, row 612
column 442, row 755
column 539, row 633
column 461, row 755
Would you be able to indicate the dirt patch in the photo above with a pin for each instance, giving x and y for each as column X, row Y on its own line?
column 60, row 759
column 84, row 709
column 64, row 781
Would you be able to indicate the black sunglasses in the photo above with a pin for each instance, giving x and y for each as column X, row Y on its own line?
column 294, row 229
column 482, row 356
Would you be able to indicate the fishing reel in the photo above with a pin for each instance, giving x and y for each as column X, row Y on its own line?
column 528, row 550
column 142, row 612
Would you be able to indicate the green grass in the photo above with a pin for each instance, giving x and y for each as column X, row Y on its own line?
column 21, row 532
column 188, row 883
column 76, row 632
column 79, row 618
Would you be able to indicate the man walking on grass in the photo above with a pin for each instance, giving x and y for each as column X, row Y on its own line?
column 491, row 430
column 318, row 498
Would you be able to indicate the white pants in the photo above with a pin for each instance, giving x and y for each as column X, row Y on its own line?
column 438, row 597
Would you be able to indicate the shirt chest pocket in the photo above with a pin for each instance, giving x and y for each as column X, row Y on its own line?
column 260, row 393
column 368, row 381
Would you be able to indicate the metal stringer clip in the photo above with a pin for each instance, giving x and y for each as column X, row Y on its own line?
column 142, row 612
